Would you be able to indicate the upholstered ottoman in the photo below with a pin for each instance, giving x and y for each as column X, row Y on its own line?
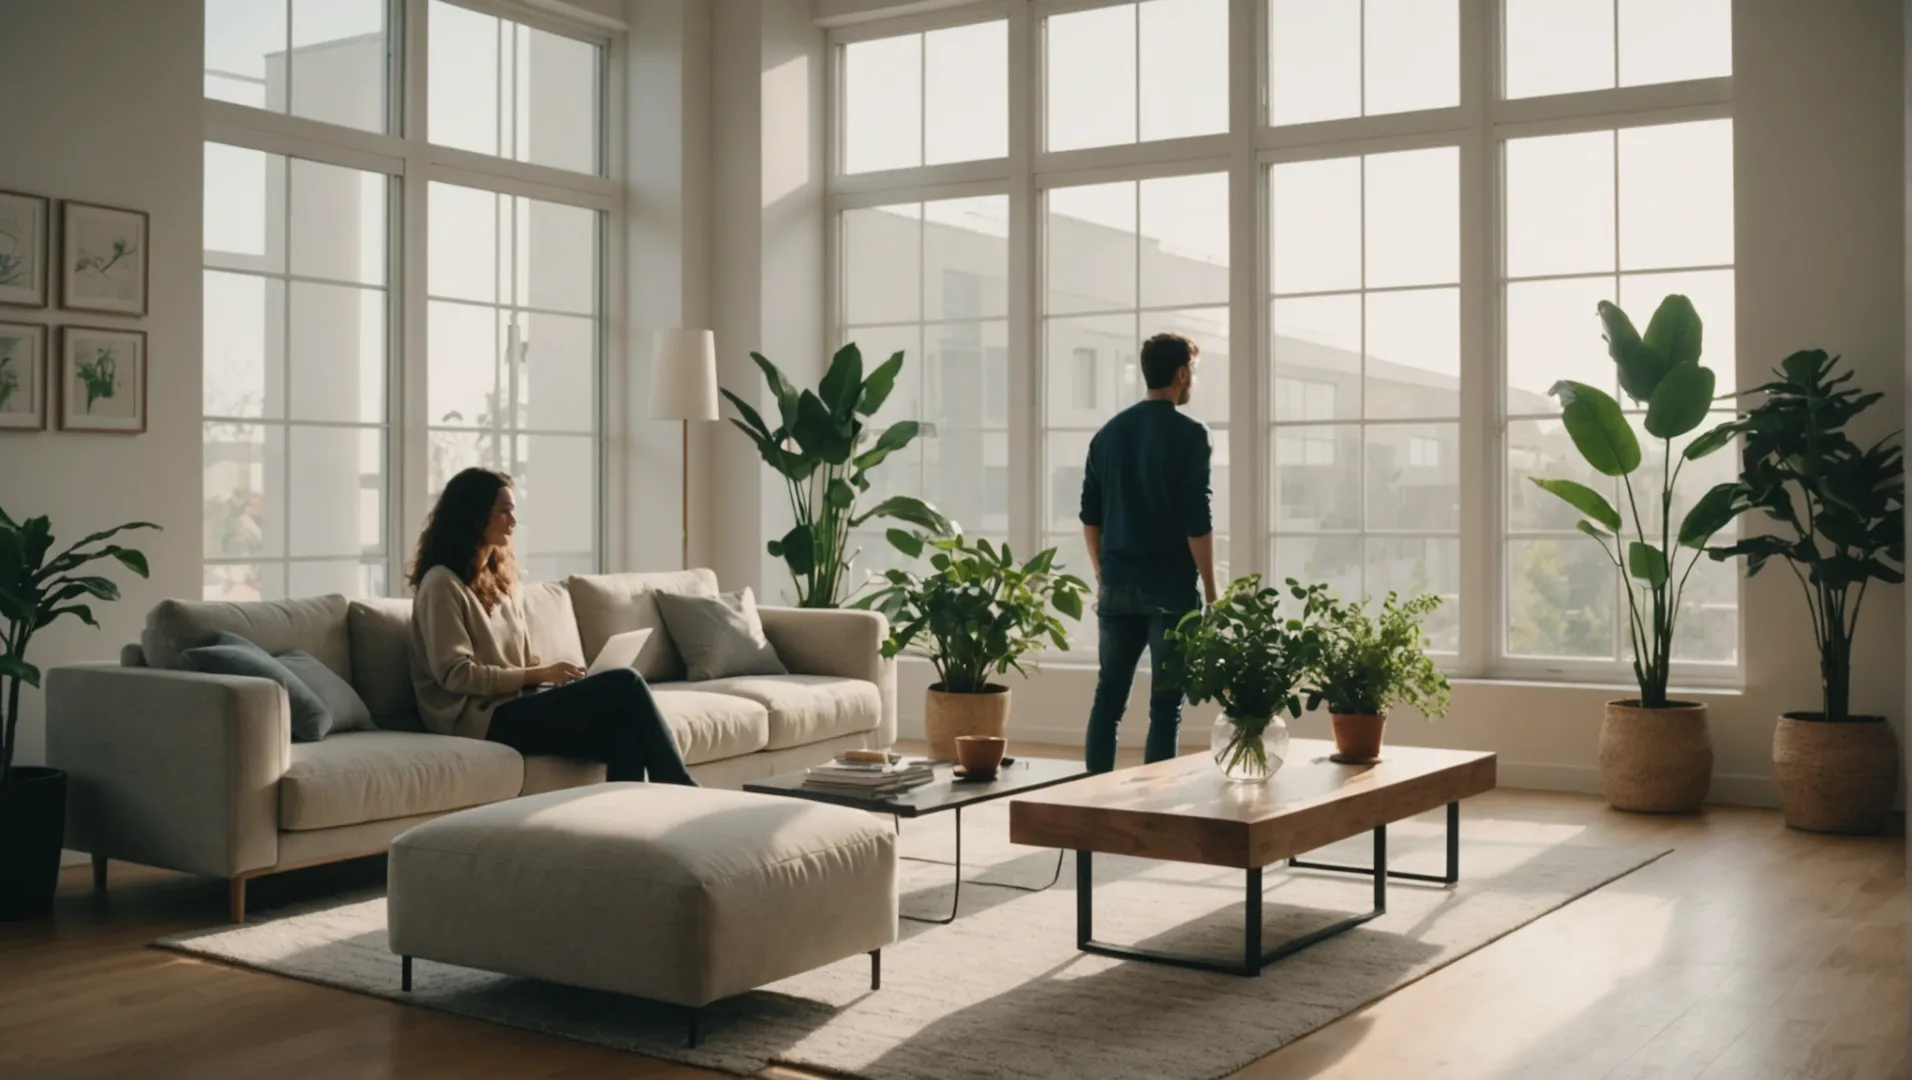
column 675, row 894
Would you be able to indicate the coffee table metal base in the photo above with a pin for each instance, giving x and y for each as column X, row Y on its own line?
column 1453, row 875
column 1253, row 957
column 956, row 901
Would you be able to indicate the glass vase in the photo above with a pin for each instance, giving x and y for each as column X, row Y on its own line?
column 1249, row 750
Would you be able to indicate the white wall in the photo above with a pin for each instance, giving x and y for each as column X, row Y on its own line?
column 104, row 106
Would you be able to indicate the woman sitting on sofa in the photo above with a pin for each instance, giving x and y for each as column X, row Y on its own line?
column 473, row 671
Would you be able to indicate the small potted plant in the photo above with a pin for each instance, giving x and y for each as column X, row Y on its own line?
column 1656, row 754
column 1242, row 654
column 36, row 592
column 1365, row 663
column 977, row 614
column 1838, row 510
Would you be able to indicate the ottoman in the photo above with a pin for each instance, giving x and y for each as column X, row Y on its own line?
column 675, row 894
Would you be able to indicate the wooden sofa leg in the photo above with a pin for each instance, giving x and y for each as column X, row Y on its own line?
column 99, row 873
column 236, row 899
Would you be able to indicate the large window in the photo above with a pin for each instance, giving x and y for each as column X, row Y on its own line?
column 336, row 401
column 1386, row 268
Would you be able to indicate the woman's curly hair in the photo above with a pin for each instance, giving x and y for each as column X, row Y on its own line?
column 455, row 535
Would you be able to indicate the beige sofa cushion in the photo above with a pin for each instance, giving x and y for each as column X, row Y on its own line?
column 608, row 604
column 552, row 623
column 381, row 636
column 681, row 895
column 316, row 625
column 804, row 709
column 709, row 727
column 374, row 775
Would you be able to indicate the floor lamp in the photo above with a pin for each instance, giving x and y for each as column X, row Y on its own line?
column 684, row 388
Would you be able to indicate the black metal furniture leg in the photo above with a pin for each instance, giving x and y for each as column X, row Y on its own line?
column 955, row 901
column 876, row 969
column 690, row 1029
column 1085, row 899
column 405, row 974
column 1452, row 876
column 1251, row 937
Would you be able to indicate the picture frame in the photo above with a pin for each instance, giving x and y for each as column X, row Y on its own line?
column 24, row 221
column 104, row 259
column 23, row 383
column 102, row 380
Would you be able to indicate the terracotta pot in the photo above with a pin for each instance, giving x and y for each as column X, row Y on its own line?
column 1655, row 761
column 1835, row 776
column 946, row 716
column 1357, row 736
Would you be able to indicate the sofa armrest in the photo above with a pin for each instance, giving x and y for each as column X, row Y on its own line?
column 845, row 642
column 170, row 768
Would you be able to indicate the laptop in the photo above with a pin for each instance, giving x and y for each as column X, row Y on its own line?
column 620, row 651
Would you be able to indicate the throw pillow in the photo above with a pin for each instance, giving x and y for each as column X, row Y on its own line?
column 231, row 654
column 719, row 636
column 551, row 623
column 348, row 710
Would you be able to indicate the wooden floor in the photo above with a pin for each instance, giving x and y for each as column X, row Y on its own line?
column 1750, row 952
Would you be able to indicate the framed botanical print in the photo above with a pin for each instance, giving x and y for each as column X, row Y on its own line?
column 103, row 259
column 102, row 379
column 23, row 249
column 23, row 393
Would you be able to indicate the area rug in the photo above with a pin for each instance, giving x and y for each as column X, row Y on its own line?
column 1003, row 992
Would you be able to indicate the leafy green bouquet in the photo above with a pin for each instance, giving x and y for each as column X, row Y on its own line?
column 1366, row 662
column 1244, row 655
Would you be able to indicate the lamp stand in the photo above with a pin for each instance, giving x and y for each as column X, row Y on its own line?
column 684, row 487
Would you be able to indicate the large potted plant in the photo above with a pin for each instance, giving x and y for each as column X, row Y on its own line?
column 1838, row 510
column 1243, row 654
column 978, row 613
column 825, row 455
column 36, row 592
column 1656, row 754
column 1365, row 663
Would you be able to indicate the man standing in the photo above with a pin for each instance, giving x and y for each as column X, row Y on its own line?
column 1145, row 516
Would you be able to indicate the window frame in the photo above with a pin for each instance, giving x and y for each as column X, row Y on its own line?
column 1479, row 124
column 405, row 154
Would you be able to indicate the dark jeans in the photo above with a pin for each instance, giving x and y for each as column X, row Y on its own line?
column 608, row 717
column 1130, row 619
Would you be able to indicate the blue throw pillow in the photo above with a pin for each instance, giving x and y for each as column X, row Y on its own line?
column 231, row 654
column 349, row 711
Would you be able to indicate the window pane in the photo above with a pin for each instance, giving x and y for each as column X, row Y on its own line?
column 244, row 485
column 338, row 223
column 966, row 93
column 338, row 354
column 1560, row 204
column 1414, row 354
column 1554, row 333
column 1413, row 58
column 1670, row 40
column 338, row 491
column 244, row 346
column 1561, row 599
column 1316, row 225
column 1317, row 354
column 1091, row 74
column 1696, row 477
column 1414, row 476
column 557, row 480
column 466, row 378
column 462, row 67
column 882, row 261
column 1065, row 454
column 1093, row 369
column 1708, row 628
column 1184, row 69
column 338, row 62
column 883, row 104
column 1412, row 566
column 244, row 209
column 1676, row 195
column 1314, row 60
column 878, row 344
column 556, row 119
column 965, row 476
column 558, row 371
column 353, row 578
column 1541, row 450
column 1558, row 46
column 1713, row 298
column 245, row 52
column 244, row 582
column 452, row 451
column 1317, row 478
column 1072, row 556
column 1092, row 248
column 1413, row 218
column 1208, row 328
column 1334, row 561
column 462, row 243
column 1184, row 230
column 557, row 261
column 957, row 373
column 965, row 258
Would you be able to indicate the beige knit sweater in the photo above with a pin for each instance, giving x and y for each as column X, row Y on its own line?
column 465, row 661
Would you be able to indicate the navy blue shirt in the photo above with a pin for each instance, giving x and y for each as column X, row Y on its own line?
column 1146, row 486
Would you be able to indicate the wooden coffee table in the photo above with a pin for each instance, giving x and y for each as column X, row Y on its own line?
column 1184, row 811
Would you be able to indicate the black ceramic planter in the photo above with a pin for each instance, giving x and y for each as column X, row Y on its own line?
column 32, row 826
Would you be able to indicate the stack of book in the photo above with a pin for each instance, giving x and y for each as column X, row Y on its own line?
column 870, row 777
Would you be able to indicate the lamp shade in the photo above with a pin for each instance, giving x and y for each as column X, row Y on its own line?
column 684, row 375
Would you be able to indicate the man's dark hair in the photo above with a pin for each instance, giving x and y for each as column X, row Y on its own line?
column 1165, row 354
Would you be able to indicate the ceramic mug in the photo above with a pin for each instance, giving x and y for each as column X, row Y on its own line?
column 980, row 755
